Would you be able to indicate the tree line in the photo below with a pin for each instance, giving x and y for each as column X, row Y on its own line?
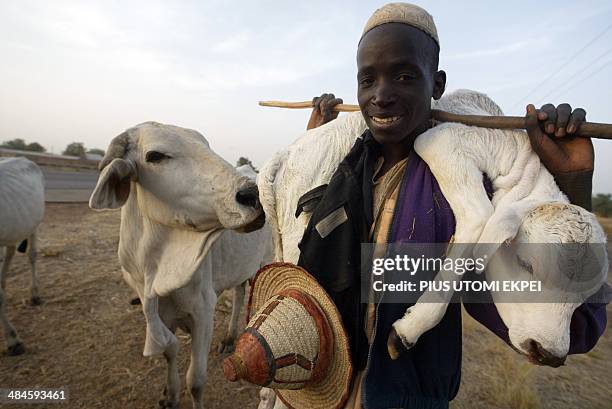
column 602, row 203
column 72, row 149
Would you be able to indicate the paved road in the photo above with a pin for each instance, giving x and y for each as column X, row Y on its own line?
column 63, row 185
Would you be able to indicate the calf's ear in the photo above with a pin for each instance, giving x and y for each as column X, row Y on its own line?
column 113, row 187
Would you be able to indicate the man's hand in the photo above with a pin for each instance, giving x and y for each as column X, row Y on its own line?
column 323, row 110
column 552, row 134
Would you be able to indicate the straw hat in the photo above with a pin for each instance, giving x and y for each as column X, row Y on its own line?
column 295, row 342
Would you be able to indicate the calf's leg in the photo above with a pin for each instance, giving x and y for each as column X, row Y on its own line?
column 14, row 344
column 35, row 298
column 9, row 252
column 201, row 337
column 227, row 345
column 462, row 187
column 173, row 382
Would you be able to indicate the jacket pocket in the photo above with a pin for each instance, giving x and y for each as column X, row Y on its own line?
column 335, row 219
column 327, row 248
column 309, row 200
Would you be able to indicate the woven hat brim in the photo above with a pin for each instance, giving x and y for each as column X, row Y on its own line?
column 333, row 390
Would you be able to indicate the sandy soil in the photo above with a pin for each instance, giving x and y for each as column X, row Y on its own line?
column 87, row 337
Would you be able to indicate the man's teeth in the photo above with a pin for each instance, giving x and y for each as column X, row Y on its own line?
column 385, row 120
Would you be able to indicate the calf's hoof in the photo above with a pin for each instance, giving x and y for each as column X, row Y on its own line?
column 35, row 301
column 135, row 301
column 226, row 347
column 16, row 349
column 168, row 404
column 396, row 346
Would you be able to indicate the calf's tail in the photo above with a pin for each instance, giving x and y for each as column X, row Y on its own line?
column 23, row 246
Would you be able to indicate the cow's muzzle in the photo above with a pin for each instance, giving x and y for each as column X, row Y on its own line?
column 538, row 355
column 256, row 224
column 249, row 197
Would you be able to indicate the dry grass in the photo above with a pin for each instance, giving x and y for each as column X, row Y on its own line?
column 87, row 337
column 514, row 388
column 494, row 376
column 606, row 223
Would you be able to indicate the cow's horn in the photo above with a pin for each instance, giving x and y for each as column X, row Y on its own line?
column 116, row 149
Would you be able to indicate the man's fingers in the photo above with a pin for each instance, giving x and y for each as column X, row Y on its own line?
column 325, row 107
column 323, row 110
column 335, row 101
column 332, row 104
column 532, row 123
column 544, row 146
column 317, row 101
column 551, row 118
column 563, row 115
column 542, row 115
column 576, row 119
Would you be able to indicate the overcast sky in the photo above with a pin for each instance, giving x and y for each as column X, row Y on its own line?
column 85, row 71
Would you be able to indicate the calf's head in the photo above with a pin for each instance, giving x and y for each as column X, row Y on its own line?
column 563, row 247
column 179, row 181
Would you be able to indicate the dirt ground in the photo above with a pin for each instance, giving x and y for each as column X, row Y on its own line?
column 87, row 337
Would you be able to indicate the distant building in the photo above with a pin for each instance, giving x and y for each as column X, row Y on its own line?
column 49, row 159
column 93, row 156
column 15, row 152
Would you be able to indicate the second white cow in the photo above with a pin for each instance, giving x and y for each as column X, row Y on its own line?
column 22, row 206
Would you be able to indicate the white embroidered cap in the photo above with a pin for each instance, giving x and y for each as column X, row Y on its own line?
column 404, row 13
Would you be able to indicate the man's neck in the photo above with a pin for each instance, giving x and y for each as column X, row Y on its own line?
column 394, row 153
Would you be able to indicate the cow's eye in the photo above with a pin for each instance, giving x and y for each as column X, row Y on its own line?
column 524, row 265
column 155, row 157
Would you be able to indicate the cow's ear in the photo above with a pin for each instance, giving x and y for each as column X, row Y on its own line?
column 113, row 187
column 503, row 227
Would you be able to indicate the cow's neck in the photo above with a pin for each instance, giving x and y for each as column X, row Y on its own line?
column 160, row 257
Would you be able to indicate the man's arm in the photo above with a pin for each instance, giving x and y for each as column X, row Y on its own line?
column 569, row 158
column 578, row 187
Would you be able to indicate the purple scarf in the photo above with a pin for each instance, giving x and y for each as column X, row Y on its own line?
column 423, row 215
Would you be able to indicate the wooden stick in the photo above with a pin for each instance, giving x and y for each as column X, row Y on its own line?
column 307, row 104
column 588, row 129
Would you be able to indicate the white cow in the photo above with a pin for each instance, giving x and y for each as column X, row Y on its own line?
column 238, row 292
column 180, row 206
column 22, row 206
column 525, row 199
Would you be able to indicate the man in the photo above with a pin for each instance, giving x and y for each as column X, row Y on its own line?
column 398, row 75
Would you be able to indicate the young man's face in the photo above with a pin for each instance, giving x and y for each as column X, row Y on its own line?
column 397, row 77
